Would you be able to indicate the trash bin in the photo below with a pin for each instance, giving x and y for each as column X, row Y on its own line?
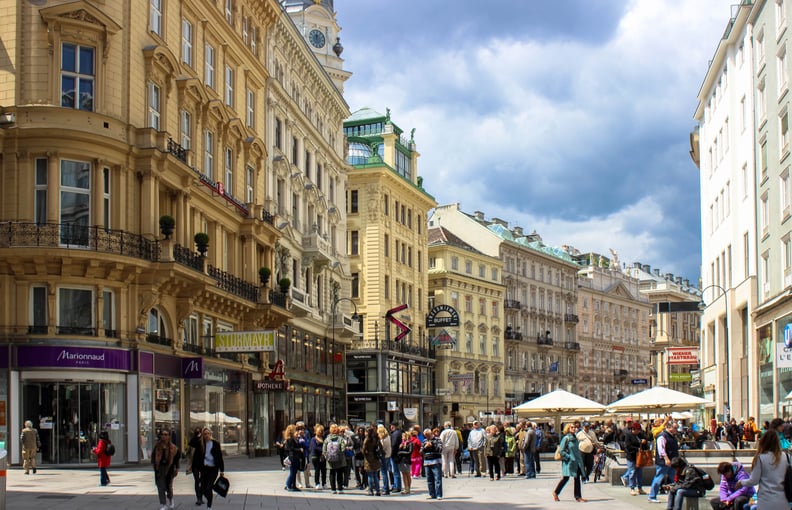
column 3, row 468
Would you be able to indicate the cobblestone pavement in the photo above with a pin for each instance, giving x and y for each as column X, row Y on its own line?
column 258, row 483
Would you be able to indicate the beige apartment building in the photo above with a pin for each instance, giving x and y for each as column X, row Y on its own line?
column 126, row 128
column 613, row 331
column 540, row 303
column 470, row 356
column 386, row 208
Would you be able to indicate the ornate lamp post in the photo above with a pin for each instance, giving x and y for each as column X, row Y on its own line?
column 333, row 310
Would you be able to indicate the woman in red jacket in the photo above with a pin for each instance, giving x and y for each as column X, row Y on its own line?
column 102, row 458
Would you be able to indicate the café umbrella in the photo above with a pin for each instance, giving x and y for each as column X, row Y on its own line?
column 559, row 403
column 656, row 399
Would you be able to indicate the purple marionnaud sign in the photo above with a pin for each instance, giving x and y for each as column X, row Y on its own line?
column 62, row 356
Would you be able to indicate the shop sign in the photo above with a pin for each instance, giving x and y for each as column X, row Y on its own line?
column 450, row 318
column 192, row 368
column 682, row 355
column 268, row 385
column 411, row 413
column 683, row 377
column 245, row 341
column 59, row 356
column 444, row 340
column 783, row 354
column 362, row 399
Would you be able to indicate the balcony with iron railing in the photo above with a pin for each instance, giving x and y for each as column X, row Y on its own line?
column 544, row 341
column 154, row 338
column 233, row 284
column 571, row 317
column 511, row 304
column 15, row 234
column 572, row 346
column 512, row 335
column 620, row 373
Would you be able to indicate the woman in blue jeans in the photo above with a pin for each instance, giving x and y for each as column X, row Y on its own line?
column 294, row 452
column 634, row 441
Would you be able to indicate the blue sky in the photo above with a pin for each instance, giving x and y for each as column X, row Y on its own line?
column 568, row 117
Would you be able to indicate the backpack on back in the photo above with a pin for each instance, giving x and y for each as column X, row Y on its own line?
column 110, row 449
column 333, row 453
column 707, row 483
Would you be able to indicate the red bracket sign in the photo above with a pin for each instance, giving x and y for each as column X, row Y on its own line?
column 404, row 328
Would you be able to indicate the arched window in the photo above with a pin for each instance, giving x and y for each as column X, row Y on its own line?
column 157, row 325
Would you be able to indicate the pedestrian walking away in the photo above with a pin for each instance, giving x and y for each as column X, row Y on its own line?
column 767, row 471
column 450, row 442
column 212, row 465
column 31, row 445
column 165, row 459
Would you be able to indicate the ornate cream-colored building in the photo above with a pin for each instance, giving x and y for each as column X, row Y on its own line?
column 387, row 208
column 469, row 372
column 126, row 128
column 613, row 331
column 541, row 347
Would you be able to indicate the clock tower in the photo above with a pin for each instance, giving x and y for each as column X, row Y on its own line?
column 316, row 20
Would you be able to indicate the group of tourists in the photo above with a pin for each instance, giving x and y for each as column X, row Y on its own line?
column 382, row 461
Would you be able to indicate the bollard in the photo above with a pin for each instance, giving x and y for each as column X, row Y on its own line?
column 3, row 470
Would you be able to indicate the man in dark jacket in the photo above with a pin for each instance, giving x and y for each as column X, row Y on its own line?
column 528, row 448
column 394, row 474
column 730, row 496
column 690, row 484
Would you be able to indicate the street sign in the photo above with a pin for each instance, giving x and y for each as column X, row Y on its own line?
column 640, row 381
column 405, row 330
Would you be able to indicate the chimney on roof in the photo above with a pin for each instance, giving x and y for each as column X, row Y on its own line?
column 678, row 280
column 647, row 268
column 687, row 282
column 637, row 265
column 669, row 276
column 500, row 222
column 657, row 272
column 518, row 231
column 479, row 215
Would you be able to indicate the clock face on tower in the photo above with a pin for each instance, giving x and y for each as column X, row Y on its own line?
column 316, row 38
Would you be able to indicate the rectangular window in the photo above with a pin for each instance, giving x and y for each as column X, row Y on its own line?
column 278, row 133
column 154, row 106
column 108, row 314
column 75, row 201
column 386, row 251
column 387, row 287
column 249, row 185
column 764, row 214
column 229, row 171
column 229, row 12
column 468, row 267
column 245, row 35
column 209, row 66
column 482, row 306
column 746, row 255
column 155, row 17
column 783, row 132
column 783, row 71
column 454, row 263
column 209, row 154
column 763, row 160
column 41, row 191
column 295, row 151
column 106, row 197
column 186, row 130
column 229, row 86
column 482, row 271
column 75, row 311
column 78, row 77
column 785, row 194
column 354, row 242
column 355, row 285
column 251, row 108
column 187, row 42
column 353, row 201
column 483, row 345
column 385, row 205
column 761, row 102
column 39, row 315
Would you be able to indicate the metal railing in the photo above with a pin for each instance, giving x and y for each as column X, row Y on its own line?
column 572, row 346
column 511, row 304
column 277, row 298
column 186, row 257
column 234, row 284
column 159, row 340
column 512, row 335
column 544, row 341
column 71, row 236
column 571, row 317
column 75, row 330
column 177, row 150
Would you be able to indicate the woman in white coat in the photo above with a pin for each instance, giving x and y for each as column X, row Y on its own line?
column 768, row 470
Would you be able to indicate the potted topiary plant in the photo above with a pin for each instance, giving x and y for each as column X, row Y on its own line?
column 264, row 275
column 284, row 284
column 201, row 242
column 167, row 223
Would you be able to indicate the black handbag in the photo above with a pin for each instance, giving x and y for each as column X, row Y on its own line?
column 221, row 486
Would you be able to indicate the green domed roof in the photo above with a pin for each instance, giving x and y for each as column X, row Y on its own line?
column 365, row 113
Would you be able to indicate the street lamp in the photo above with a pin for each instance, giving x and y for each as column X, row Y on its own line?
column 333, row 309
column 702, row 306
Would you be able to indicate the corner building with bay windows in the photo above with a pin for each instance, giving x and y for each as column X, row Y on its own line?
column 115, row 116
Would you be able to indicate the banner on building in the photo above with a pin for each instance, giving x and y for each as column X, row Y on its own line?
column 682, row 355
column 245, row 341
column 683, row 377
column 783, row 355
column 411, row 413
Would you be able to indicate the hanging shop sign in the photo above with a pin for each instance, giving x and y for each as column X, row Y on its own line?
column 442, row 316
column 682, row 355
column 245, row 341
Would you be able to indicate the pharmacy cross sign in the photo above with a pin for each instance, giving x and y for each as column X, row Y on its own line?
column 404, row 328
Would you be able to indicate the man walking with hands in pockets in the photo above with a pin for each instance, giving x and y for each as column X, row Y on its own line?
column 476, row 441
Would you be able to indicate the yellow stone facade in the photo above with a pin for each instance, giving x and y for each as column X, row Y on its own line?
column 116, row 114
